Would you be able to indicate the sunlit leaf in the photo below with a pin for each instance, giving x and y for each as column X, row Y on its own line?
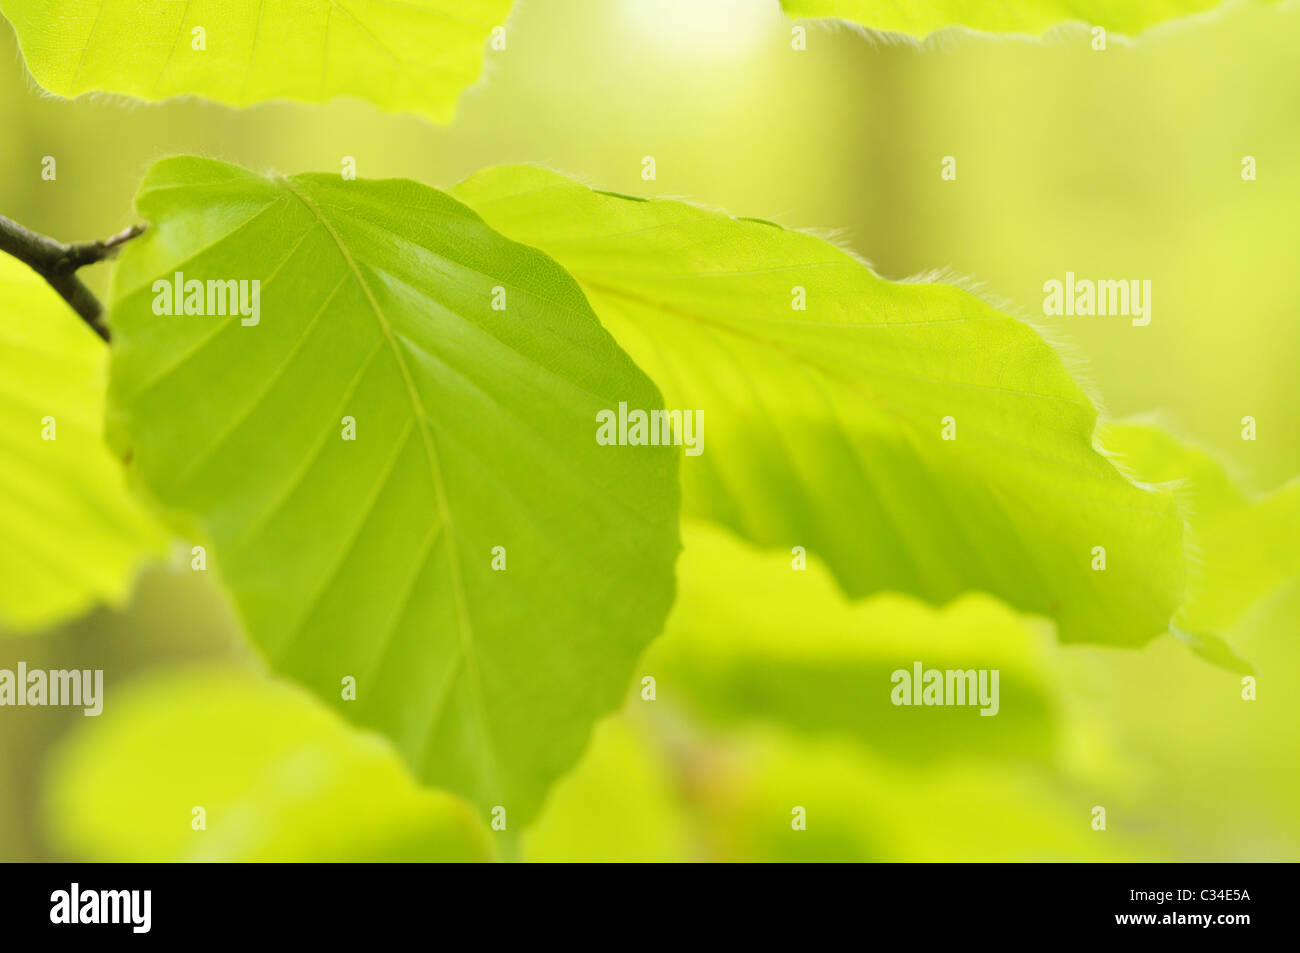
column 1245, row 546
column 825, row 426
column 920, row 18
column 373, row 558
column 72, row 536
column 278, row 778
column 408, row 55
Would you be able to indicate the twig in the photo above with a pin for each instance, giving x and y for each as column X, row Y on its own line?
column 57, row 263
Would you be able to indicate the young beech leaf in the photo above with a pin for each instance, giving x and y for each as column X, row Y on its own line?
column 1245, row 547
column 72, row 535
column 412, row 55
column 920, row 18
column 277, row 776
column 401, row 481
column 750, row 640
column 908, row 434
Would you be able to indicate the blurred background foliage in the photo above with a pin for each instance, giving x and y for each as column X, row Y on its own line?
column 769, row 684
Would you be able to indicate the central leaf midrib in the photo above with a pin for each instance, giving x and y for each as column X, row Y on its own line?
column 465, row 628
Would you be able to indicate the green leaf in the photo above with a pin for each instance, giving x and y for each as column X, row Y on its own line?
column 752, row 640
column 407, row 55
column 617, row 806
column 653, row 788
column 1245, row 546
column 279, row 778
column 72, row 535
column 858, row 808
column 1213, row 649
column 920, row 18
column 825, row 425
column 474, row 429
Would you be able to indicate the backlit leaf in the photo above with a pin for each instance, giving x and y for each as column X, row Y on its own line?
column 475, row 429
column 72, row 535
column 825, row 426
column 278, row 777
column 920, row 18
column 407, row 55
column 1245, row 546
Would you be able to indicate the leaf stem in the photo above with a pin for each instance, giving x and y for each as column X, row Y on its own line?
column 57, row 263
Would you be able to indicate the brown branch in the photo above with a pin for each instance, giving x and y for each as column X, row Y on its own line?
column 57, row 263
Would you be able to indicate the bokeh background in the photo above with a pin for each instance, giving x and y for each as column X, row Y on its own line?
column 1124, row 163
